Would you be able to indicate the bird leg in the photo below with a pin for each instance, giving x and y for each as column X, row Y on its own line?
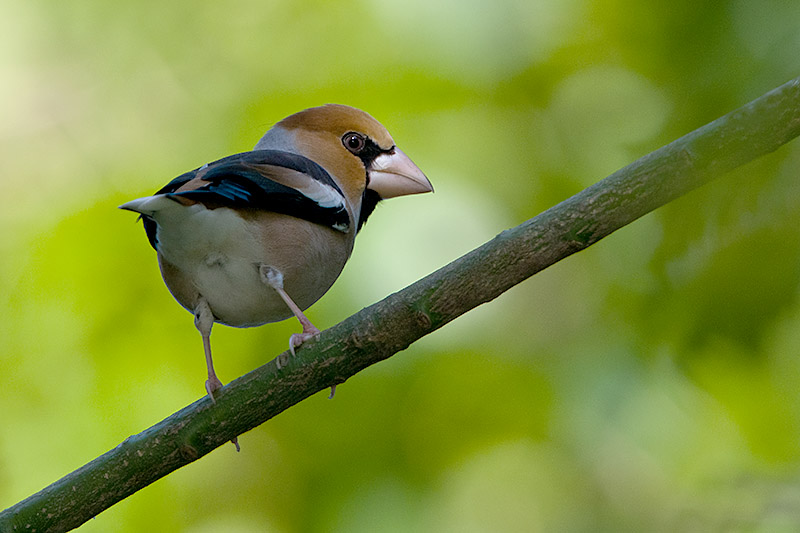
column 274, row 278
column 203, row 320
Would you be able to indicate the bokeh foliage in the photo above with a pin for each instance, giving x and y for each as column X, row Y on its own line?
column 651, row 382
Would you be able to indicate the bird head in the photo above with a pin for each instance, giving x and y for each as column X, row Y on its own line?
column 355, row 149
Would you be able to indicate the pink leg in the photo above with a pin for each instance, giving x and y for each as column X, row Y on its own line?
column 309, row 330
column 203, row 320
column 273, row 277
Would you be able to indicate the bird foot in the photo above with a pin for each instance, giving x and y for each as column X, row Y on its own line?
column 213, row 384
column 299, row 338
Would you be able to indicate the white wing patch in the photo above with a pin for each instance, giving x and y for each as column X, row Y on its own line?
column 322, row 194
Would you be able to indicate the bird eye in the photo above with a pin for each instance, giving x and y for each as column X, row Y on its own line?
column 354, row 142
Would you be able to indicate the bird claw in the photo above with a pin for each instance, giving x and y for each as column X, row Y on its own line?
column 299, row 338
column 213, row 384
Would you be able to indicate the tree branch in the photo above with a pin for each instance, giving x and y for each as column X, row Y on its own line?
column 391, row 325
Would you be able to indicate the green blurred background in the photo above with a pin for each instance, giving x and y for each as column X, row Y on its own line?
column 649, row 383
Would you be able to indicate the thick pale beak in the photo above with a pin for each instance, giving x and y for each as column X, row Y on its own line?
column 394, row 174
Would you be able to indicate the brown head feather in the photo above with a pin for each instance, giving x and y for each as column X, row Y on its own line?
column 317, row 134
column 339, row 119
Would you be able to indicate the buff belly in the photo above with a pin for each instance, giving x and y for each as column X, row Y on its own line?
column 216, row 254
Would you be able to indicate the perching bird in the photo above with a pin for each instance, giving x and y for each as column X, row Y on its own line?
column 259, row 236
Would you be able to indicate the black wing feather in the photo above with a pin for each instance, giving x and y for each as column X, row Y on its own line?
column 234, row 182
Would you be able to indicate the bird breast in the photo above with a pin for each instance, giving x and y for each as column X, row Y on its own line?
column 216, row 254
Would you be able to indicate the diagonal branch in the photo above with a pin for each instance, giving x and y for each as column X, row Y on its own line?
column 391, row 325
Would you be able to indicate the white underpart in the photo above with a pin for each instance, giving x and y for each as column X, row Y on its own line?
column 219, row 251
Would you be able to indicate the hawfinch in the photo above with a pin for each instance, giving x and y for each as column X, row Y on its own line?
column 259, row 236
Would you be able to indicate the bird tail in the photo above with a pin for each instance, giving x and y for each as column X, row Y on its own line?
column 148, row 205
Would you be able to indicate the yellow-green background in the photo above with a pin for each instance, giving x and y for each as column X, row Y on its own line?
column 649, row 383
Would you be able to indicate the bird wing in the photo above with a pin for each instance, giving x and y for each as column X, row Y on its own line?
column 266, row 180
column 269, row 180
